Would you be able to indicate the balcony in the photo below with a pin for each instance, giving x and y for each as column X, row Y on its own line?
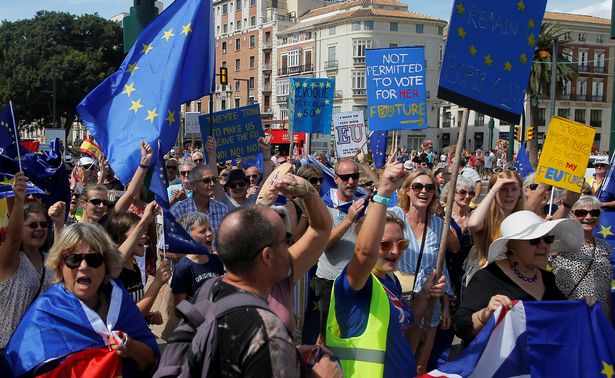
column 598, row 98
column 282, row 98
column 358, row 60
column 266, row 66
column 295, row 70
column 267, row 87
column 583, row 68
column 565, row 96
column 595, row 123
column 331, row 65
column 599, row 69
column 338, row 94
column 359, row 92
column 267, row 45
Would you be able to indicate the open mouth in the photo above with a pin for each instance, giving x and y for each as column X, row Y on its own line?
column 84, row 281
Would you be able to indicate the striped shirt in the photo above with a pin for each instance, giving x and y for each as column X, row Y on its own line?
column 216, row 211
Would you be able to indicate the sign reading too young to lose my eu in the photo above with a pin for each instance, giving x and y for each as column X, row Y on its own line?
column 565, row 154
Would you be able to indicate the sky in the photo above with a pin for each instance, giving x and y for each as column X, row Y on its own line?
column 108, row 8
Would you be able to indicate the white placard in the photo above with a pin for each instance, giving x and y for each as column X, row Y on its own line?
column 192, row 123
column 350, row 133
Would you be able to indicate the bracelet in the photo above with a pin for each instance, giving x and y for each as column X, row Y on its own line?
column 478, row 317
column 143, row 166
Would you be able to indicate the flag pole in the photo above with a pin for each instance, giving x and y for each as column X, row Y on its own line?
column 164, row 245
column 16, row 135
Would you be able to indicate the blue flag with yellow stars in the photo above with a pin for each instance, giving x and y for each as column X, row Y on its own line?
column 378, row 145
column 522, row 163
column 177, row 239
column 160, row 181
column 171, row 62
column 7, row 128
column 310, row 105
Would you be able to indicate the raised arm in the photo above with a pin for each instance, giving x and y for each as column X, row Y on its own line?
column 367, row 246
column 478, row 216
column 212, row 161
column 133, row 239
column 9, row 250
column 137, row 180
column 265, row 146
column 57, row 213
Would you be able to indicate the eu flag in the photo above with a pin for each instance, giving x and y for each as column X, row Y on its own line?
column 522, row 163
column 177, row 239
column 171, row 62
column 378, row 145
column 160, row 181
column 7, row 128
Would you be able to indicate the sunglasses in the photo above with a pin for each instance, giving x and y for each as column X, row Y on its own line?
column 184, row 173
column 98, row 202
column 533, row 187
column 35, row 225
column 549, row 239
column 346, row 177
column 369, row 183
column 463, row 193
column 253, row 177
column 94, row 260
column 507, row 169
column 171, row 167
column 197, row 161
column 581, row 213
column 236, row 184
column 315, row 180
column 387, row 246
column 417, row 187
column 599, row 165
column 208, row 180
column 88, row 167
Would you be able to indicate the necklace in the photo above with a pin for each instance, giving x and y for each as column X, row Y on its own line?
column 521, row 275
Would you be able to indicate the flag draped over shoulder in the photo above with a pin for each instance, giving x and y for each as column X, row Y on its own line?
column 177, row 240
column 522, row 163
column 539, row 339
column 58, row 324
column 172, row 62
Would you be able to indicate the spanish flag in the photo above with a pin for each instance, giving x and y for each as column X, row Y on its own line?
column 91, row 148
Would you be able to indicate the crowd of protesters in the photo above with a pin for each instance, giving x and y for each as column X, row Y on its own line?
column 358, row 259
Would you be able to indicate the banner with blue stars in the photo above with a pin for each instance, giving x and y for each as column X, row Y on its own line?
column 489, row 53
column 310, row 105
column 396, row 95
column 7, row 128
column 172, row 62
column 378, row 145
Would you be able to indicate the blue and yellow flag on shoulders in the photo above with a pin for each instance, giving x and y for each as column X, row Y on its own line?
column 172, row 62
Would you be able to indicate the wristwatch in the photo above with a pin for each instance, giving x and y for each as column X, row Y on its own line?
column 386, row 201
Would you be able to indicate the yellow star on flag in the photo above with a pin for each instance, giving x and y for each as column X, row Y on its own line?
column 305, row 85
column 168, row 34
column 328, row 85
column 473, row 50
column 321, row 84
column 531, row 23
column 129, row 88
column 317, row 110
column 327, row 102
column 460, row 9
column 313, row 85
column 461, row 33
column 605, row 231
column 520, row 6
column 136, row 105
column 297, row 85
column 507, row 66
column 151, row 114
column 299, row 115
column 531, row 40
column 523, row 58
column 147, row 48
column 132, row 68
column 607, row 370
column 170, row 117
column 186, row 29
column 488, row 60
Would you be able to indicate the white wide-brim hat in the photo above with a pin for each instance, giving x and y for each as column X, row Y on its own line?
column 526, row 225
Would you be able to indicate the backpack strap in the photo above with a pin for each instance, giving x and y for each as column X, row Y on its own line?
column 191, row 311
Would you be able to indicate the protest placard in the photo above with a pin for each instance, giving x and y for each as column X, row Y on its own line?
column 236, row 131
column 565, row 154
column 350, row 133
column 310, row 105
column 192, row 123
column 489, row 53
column 396, row 88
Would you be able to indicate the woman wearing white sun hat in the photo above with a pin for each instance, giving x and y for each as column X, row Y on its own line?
column 515, row 269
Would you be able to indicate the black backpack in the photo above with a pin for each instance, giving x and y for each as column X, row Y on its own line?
column 191, row 349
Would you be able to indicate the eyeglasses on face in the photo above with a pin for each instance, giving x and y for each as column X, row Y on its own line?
column 184, row 173
column 599, row 165
column 94, row 260
column 236, row 184
column 387, row 246
column 582, row 213
column 88, row 167
column 252, row 176
column 348, row 176
column 315, row 180
column 197, row 161
column 171, row 167
column 368, row 183
column 463, row 193
column 507, row 169
column 98, row 202
column 35, row 225
column 208, row 180
column 549, row 239
column 417, row 187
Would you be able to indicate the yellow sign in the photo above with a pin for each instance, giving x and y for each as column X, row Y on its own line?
column 565, row 154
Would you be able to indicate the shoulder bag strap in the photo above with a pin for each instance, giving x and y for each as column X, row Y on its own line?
column 40, row 284
column 418, row 263
column 584, row 274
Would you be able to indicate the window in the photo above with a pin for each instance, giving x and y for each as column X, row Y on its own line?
column 252, row 41
column 237, row 64
column 237, row 85
column 252, row 60
column 368, row 25
column 356, row 25
column 293, row 58
column 283, row 113
column 332, row 30
column 252, row 20
column 252, row 3
column 566, row 90
column 218, row 30
column 563, row 112
column 307, row 60
column 251, row 82
column 581, row 37
column 282, row 87
column 238, row 4
column 251, row 100
column 358, row 49
column 479, row 120
column 225, row 28
column 358, row 83
column 224, row 8
column 581, row 88
column 393, row 45
column 393, row 26
column 237, row 102
column 238, row 25
column 595, row 118
column 199, row 106
column 419, row 28
column 599, row 38
column 331, row 59
column 237, row 44
column 566, row 36
column 541, row 117
column 224, row 47
column 583, row 60
column 223, row 104
column 440, row 30
column 579, row 115
column 599, row 62
column 597, row 90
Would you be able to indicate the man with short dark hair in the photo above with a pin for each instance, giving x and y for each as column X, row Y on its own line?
column 182, row 190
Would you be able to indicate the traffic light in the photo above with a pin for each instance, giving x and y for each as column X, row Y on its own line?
column 530, row 133
column 518, row 133
column 223, row 75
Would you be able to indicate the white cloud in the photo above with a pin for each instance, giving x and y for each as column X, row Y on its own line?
column 601, row 9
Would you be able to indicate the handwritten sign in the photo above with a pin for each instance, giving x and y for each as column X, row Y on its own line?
column 349, row 133
column 310, row 105
column 489, row 54
column 565, row 154
column 396, row 88
column 236, row 131
column 192, row 122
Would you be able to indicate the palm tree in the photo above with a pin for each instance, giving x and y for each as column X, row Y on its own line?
column 540, row 76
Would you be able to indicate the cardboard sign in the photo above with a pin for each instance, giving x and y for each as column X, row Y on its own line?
column 310, row 105
column 565, row 154
column 489, row 53
column 396, row 88
column 192, row 123
column 350, row 133
column 236, row 131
